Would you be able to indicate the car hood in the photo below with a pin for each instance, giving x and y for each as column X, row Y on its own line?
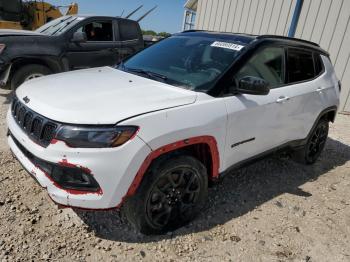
column 99, row 96
column 14, row 32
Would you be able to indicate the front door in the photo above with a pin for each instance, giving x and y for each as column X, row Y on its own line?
column 256, row 123
column 100, row 49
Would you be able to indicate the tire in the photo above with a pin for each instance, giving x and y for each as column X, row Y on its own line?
column 28, row 72
column 171, row 194
column 315, row 144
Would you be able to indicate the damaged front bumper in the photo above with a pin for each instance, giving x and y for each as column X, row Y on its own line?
column 113, row 177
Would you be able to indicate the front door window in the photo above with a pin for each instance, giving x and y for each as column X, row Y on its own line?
column 266, row 64
column 98, row 31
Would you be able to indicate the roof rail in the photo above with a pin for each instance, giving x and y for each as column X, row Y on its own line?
column 194, row 30
column 218, row 32
column 287, row 38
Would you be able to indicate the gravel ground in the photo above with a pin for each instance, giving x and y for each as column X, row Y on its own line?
column 274, row 210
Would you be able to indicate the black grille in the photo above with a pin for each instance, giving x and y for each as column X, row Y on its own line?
column 40, row 129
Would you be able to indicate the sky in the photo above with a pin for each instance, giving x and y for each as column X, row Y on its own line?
column 166, row 18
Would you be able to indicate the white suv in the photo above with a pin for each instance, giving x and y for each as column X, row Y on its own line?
column 148, row 135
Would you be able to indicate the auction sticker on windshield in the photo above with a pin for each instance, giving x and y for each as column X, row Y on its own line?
column 227, row 45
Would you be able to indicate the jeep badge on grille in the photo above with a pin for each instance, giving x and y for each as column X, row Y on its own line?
column 26, row 99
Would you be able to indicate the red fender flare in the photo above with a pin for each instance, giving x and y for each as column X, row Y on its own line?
column 209, row 140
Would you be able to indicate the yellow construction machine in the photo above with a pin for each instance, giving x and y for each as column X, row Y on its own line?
column 29, row 15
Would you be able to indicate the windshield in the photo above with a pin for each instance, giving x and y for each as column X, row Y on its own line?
column 59, row 25
column 191, row 62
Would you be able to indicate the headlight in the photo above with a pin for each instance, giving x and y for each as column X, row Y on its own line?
column 96, row 137
column 2, row 47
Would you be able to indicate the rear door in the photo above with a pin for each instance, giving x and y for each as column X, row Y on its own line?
column 303, row 92
column 100, row 49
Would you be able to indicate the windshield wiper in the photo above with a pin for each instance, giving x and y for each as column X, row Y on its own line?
column 145, row 72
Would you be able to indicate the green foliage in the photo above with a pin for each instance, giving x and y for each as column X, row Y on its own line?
column 151, row 32
column 164, row 34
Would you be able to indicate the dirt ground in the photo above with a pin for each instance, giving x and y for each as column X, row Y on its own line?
column 274, row 210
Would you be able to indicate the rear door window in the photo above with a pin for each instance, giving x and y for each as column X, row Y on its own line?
column 300, row 65
column 128, row 30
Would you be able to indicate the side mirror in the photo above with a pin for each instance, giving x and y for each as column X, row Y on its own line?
column 79, row 37
column 252, row 85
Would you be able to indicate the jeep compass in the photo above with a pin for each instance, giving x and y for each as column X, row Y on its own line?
column 149, row 135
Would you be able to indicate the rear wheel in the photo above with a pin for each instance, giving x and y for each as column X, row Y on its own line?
column 171, row 194
column 315, row 144
column 28, row 72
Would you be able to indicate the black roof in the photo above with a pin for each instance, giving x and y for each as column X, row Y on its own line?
column 248, row 38
column 243, row 38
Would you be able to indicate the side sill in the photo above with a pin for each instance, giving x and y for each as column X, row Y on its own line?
column 287, row 147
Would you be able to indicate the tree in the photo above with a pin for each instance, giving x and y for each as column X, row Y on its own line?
column 164, row 34
column 149, row 32
column 153, row 33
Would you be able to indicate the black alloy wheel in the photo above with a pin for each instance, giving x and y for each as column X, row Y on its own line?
column 315, row 144
column 172, row 192
column 174, row 195
column 317, row 141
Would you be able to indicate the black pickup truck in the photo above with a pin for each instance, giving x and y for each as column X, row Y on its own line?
column 66, row 43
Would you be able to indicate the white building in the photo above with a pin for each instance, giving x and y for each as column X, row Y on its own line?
column 325, row 22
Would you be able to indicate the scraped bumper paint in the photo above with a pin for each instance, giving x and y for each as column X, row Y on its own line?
column 113, row 168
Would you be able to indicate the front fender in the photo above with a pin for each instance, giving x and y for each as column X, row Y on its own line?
column 206, row 118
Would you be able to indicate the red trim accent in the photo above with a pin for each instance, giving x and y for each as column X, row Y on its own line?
column 54, row 141
column 65, row 163
column 70, row 191
column 133, row 136
column 209, row 140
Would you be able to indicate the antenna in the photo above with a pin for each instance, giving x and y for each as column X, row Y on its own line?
column 122, row 13
column 133, row 12
column 146, row 14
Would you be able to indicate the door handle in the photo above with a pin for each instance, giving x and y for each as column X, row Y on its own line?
column 319, row 89
column 282, row 99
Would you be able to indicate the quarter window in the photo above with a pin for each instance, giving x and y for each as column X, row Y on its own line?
column 266, row 64
column 318, row 64
column 300, row 65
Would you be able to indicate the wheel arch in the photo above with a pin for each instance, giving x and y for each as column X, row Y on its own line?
column 52, row 63
column 203, row 148
column 328, row 114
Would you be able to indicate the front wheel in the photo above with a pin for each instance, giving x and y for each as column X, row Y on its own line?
column 315, row 144
column 171, row 194
column 28, row 72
